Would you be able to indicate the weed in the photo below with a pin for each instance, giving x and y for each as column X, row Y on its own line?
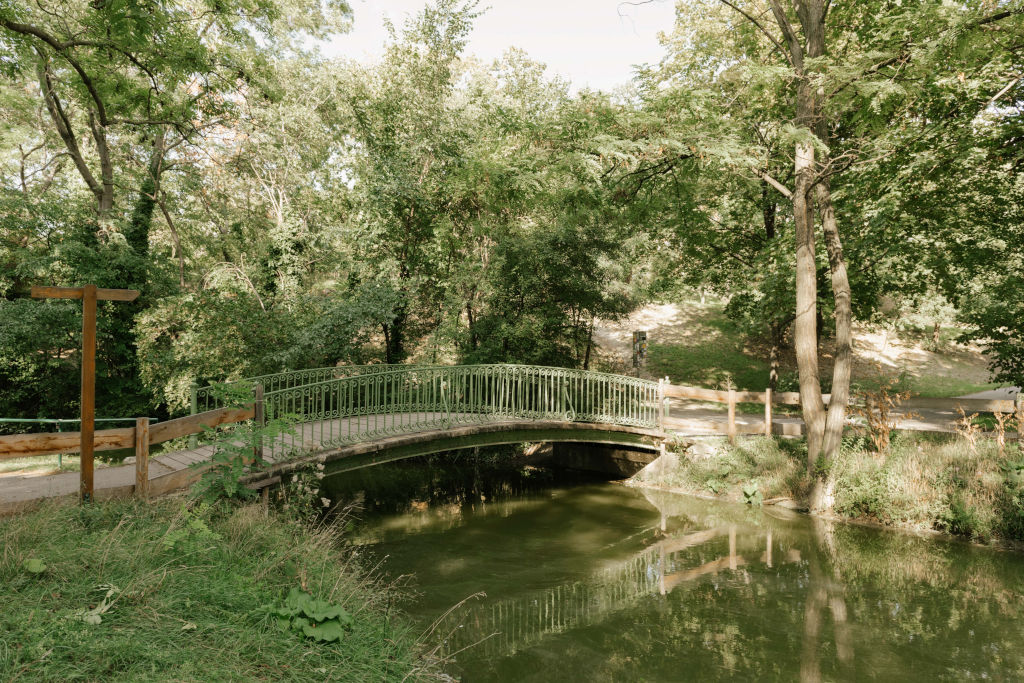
column 967, row 429
column 752, row 494
column 1002, row 420
column 317, row 619
column 876, row 406
column 236, row 454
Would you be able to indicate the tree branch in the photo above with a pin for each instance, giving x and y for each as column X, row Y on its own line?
column 795, row 49
column 761, row 28
column 60, row 121
column 61, row 49
column 786, row 192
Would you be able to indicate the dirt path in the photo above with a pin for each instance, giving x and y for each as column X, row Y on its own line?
column 875, row 348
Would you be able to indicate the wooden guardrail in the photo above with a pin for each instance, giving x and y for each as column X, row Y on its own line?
column 141, row 437
column 731, row 397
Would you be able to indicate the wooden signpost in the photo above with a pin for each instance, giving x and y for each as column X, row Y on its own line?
column 89, row 294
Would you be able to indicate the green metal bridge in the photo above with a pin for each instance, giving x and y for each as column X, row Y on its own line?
column 406, row 410
column 359, row 416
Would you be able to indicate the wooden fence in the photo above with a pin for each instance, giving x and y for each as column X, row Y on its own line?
column 140, row 437
column 731, row 397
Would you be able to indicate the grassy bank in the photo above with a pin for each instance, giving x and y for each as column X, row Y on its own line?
column 122, row 591
column 925, row 482
column 712, row 354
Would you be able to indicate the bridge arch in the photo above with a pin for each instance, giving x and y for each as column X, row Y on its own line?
column 365, row 415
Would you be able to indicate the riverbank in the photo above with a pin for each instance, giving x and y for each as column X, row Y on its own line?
column 927, row 482
column 128, row 591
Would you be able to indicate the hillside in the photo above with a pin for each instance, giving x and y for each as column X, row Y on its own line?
column 694, row 343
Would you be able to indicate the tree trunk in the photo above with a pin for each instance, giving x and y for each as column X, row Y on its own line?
column 776, row 331
column 842, row 370
column 590, row 344
column 822, row 493
column 805, row 328
column 811, row 14
column 394, row 337
column 471, row 321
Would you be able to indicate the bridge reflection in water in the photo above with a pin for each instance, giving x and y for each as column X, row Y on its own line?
column 604, row 582
column 504, row 627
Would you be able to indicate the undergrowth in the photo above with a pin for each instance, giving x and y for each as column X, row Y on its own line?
column 934, row 482
column 775, row 468
column 163, row 591
column 924, row 481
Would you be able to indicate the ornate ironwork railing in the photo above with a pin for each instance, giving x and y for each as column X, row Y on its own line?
column 221, row 394
column 388, row 400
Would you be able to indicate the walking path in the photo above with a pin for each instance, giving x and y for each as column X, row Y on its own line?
column 354, row 436
column 176, row 470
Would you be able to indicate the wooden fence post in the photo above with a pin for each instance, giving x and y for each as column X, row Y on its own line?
column 768, row 411
column 661, row 404
column 260, row 419
column 193, row 405
column 732, row 416
column 142, row 458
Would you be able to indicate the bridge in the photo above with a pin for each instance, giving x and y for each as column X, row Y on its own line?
column 358, row 416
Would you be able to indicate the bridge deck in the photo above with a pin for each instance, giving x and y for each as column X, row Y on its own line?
column 175, row 470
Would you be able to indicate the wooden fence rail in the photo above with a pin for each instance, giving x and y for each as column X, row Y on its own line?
column 140, row 437
column 731, row 397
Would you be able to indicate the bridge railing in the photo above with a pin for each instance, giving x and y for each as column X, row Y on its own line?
column 223, row 394
column 404, row 399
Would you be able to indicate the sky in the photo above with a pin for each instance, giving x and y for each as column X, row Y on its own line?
column 592, row 43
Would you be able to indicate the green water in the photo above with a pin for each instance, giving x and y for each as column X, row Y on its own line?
column 575, row 580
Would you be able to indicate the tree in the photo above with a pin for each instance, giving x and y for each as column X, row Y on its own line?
column 827, row 82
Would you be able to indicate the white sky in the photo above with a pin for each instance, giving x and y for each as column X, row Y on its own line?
column 592, row 43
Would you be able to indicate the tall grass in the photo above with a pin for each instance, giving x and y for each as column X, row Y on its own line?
column 934, row 482
column 184, row 590
column 925, row 481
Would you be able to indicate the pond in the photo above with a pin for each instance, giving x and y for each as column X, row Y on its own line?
column 523, row 574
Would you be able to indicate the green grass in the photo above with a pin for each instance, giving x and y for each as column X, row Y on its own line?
column 712, row 359
column 185, row 589
column 41, row 464
column 945, row 387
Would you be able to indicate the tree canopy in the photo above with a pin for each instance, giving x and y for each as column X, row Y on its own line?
column 279, row 209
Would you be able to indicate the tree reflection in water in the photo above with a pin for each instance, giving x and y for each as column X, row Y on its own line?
column 602, row 582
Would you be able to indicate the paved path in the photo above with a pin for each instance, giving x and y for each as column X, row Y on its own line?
column 1005, row 393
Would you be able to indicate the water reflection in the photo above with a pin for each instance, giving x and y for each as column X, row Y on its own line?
column 602, row 582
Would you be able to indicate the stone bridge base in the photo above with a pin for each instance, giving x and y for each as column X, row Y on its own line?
column 615, row 461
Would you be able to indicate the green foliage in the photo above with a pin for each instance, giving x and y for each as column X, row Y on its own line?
column 209, row 336
column 317, row 619
column 192, row 532
column 236, row 454
column 279, row 210
column 34, row 565
column 752, row 494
